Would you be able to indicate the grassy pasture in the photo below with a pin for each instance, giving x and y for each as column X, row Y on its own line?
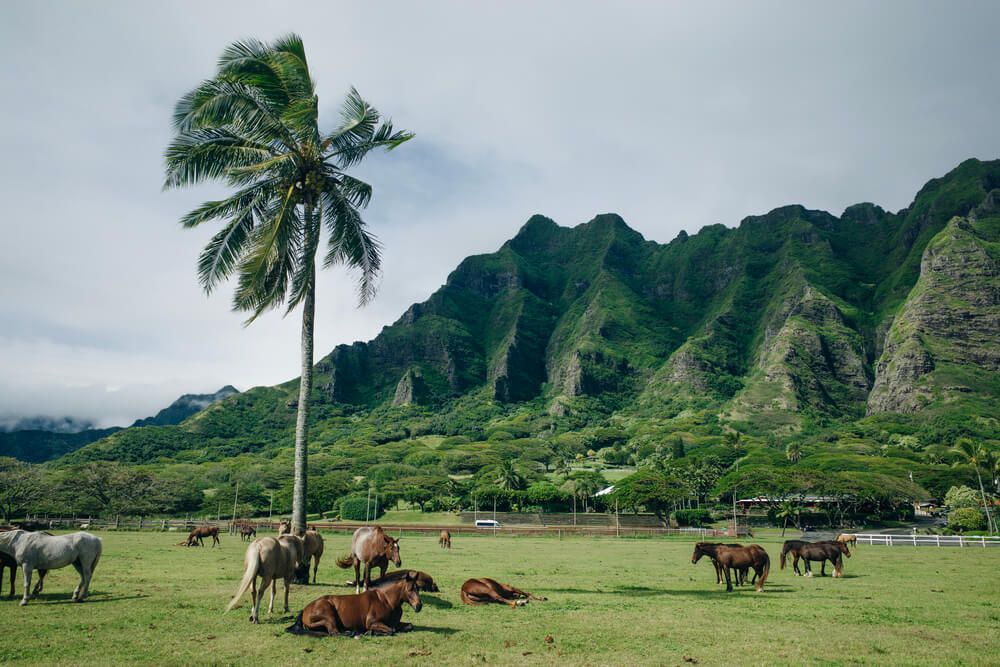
column 628, row 601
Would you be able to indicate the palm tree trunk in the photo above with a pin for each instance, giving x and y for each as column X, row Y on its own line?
column 982, row 491
column 302, row 418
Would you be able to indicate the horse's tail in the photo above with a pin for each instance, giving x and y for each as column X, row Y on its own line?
column 784, row 552
column 252, row 561
column 345, row 561
column 766, row 571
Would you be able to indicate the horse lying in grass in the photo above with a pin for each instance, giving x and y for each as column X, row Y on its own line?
column 41, row 551
column 485, row 591
column 827, row 550
column 424, row 581
column 373, row 547
column 314, row 550
column 270, row 559
column 736, row 558
column 199, row 533
column 378, row 611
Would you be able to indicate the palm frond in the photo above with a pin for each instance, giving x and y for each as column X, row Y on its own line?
column 210, row 153
column 351, row 244
column 305, row 269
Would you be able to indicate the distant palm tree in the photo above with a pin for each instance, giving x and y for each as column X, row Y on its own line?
column 787, row 510
column 509, row 477
column 793, row 452
column 976, row 456
column 562, row 467
column 254, row 126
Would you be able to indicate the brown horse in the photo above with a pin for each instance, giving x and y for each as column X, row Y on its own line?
column 196, row 536
column 314, row 550
column 737, row 558
column 827, row 550
column 424, row 581
column 270, row 559
column 248, row 533
column 485, row 591
column 709, row 549
column 378, row 611
column 444, row 540
column 373, row 547
column 848, row 538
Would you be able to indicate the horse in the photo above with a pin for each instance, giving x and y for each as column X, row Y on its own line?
column 314, row 550
column 848, row 538
column 424, row 581
column 485, row 591
column 373, row 547
column 41, row 551
column 378, row 611
column 9, row 562
column 829, row 550
column 737, row 558
column 270, row 558
column 196, row 536
column 709, row 549
column 444, row 540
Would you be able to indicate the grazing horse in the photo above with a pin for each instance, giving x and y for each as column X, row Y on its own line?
column 196, row 536
column 485, row 591
column 270, row 559
column 848, row 538
column 444, row 540
column 737, row 558
column 378, row 611
column 373, row 547
column 709, row 549
column 314, row 550
column 828, row 550
column 41, row 551
column 8, row 561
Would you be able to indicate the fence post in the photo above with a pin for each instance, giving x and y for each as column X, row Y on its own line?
column 983, row 540
column 961, row 542
column 937, row 538
column 890, row 540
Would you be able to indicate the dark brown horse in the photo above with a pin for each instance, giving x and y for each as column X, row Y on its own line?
column 424, row 581
column 827, row 550
column 196, row 536
column 248, row 533
column 709, row 549
column 378, row 611
column 372, row 546
column 737, row 558
column 444, row 540
column 485, row 591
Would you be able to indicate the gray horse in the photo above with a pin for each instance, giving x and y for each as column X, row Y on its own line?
column 40, row 551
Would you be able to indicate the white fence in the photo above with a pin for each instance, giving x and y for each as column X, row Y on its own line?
column 927, row 540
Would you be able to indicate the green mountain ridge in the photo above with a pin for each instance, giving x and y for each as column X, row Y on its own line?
column 794, row 324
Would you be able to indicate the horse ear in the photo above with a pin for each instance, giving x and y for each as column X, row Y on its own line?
column 411, row 575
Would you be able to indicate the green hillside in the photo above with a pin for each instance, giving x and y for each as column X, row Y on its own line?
column 868, row 341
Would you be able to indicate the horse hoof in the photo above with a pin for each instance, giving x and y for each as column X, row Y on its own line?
column 24, row 603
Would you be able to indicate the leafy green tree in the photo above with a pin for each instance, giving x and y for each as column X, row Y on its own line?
column 966, row 518
column 508, row 477
column 677, row 447
column 20, row 487
column 961, row 496
column 657, row 491
column 255, row 127
column 793, row 452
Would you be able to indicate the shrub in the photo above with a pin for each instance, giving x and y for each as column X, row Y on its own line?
column 961, row 496
column 966, row 518
column 692, row 517
column 354, row 508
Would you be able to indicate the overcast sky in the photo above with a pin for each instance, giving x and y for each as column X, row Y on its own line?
column 673, row 115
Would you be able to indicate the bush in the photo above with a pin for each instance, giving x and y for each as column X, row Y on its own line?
column 693, row 517
column 961, row 496
column 354, row 508
column 966, row 518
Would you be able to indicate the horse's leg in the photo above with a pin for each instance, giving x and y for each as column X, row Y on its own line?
column 78, row 566
column 357, row 575
column 822, row 568
column 274, row 591
column 518, row 591
column 795, row 565
column 253, row 600
column 729, row 581
column 368, row 576
column 315, row 566
column 809, row 571
column 380, row 628
column 26, row 569
column 288, row 581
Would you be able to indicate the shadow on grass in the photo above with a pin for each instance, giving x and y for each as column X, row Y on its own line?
column 436, row 602
column 93, row 598
column 646, row 591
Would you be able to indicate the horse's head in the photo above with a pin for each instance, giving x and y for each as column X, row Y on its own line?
column 284, row 527
column 699, row 551
column 391, row 551
column 411, row 592
column 426, row 583
column 843, row 548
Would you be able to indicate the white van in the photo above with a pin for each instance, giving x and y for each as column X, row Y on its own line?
column 487, row 523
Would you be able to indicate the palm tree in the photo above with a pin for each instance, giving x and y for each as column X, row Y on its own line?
column 254, row 126
column 976, row 455
column 793, row 452
column 509, row 477
column 785, row 511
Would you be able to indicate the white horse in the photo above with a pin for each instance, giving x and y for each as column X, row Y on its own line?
column 39, row 551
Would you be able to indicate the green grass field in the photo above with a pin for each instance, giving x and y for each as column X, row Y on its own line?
column 628, row 601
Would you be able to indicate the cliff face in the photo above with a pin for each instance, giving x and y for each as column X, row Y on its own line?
column 795, row 314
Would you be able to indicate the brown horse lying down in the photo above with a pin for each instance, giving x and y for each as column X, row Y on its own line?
column 485, row 591
column 424, row 581
column 827, row 550
column 196, row 536
column 737, row 558
column 377, row 611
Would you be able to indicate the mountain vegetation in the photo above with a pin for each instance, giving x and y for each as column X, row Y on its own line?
column 797, row 353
